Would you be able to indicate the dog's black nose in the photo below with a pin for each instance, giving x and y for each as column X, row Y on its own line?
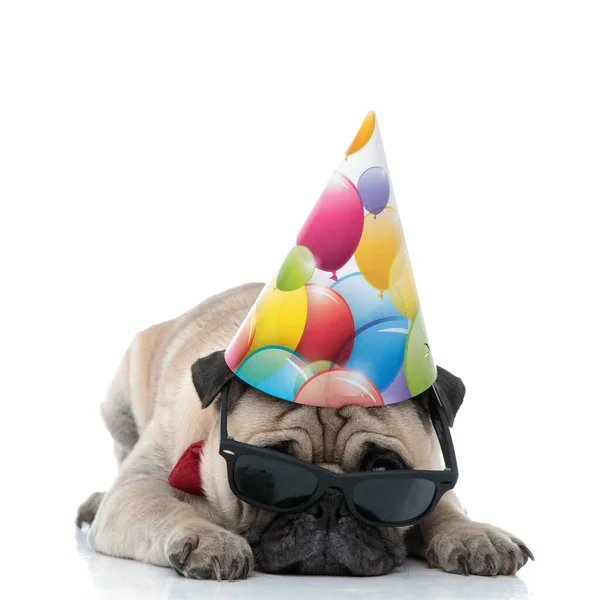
column 329, row 509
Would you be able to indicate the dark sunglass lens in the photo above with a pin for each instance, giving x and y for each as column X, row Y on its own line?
column 272, row 482
column 393, row 500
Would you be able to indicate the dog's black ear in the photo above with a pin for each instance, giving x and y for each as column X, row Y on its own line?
column 209, row 374
column 451, row 390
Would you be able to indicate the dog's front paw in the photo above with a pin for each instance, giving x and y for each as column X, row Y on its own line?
column 477, row 548
column 210, row 553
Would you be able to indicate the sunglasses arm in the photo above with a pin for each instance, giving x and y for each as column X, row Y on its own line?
column 224, row 398
column 442, row 429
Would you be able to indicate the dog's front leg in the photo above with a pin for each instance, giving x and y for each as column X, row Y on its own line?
column 142, row 517
column 454, row 543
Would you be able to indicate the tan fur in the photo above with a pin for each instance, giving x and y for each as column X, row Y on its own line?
column 142, row 517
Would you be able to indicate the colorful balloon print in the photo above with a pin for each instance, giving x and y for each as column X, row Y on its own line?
column 398, row 390
column 378, row 350
column 297, row 269
column 329, row 327
column 379, row 245
column 374, row 190
column 333, row 228
column 280, row 318
column 403, row 290
column 312, row 369
column 363, row 136
column 419, row 366
column 364, row 301
column 275, row 370
column 239, row 346
column 337, row 388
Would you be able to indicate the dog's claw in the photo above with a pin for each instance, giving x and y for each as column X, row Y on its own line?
column 216, row 565
column 187, row 549
column 526, row 551
column 178, row 559
column 464, row 565
column 491, row 565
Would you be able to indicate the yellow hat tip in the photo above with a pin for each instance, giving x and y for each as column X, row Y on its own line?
column 364, row 134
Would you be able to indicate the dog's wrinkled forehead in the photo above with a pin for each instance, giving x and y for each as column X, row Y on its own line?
column 325, row 435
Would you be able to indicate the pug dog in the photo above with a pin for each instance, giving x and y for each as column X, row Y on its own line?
column 166, row 396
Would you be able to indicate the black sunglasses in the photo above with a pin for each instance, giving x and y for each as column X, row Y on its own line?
column 281, row 483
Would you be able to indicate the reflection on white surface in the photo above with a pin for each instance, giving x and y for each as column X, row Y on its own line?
column 115, row 578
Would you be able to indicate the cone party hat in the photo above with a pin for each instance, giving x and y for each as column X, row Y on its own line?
column 340, row 323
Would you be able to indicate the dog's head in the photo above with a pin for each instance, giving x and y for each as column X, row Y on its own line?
column 349, row 439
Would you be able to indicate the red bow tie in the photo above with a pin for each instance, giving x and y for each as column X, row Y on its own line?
column 185, row 475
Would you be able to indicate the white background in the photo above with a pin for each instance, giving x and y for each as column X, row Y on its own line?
column 152, row 154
